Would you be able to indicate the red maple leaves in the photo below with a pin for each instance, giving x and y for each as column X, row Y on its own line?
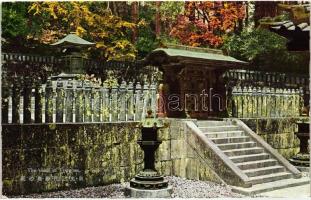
column 205, row 23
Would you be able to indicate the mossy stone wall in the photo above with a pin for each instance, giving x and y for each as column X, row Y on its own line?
column 47, row 157
column 177, row 157
column 44, row 157
column 278, row 132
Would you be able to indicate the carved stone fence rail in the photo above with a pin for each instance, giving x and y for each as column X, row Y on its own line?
column 30, row 58
column 249, row 102
column 271, row 79
column 76, row 101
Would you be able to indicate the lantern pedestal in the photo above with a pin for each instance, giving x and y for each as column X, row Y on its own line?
column 149, row 183
column 302, row 159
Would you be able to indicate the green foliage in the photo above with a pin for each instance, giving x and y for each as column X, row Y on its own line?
column 14, row 21
column 146, row 40
column 264, row 50
column 279, row 18
column 17, row 26
column 171, row 9
column 111, row 80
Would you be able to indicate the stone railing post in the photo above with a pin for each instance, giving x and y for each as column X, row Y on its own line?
column 145, row 99
column 138, row 103
column 87, row 101
column 60, row 96
column 278, row 102
column 122, row 100
column 232, row 104
column 153, row 93
column 27, row 101
column 49, row 102
column 69, row 101
column 105, row 106
column 114, row 110
column 160, row 101
column 5, row 90
column 130, row 102
column 245, row 101
column 38, row 102
column 96, row 99
column 79, row 102
column 16, row 95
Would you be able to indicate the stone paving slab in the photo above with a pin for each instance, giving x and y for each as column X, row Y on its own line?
column 275, row 185
column 302, row 191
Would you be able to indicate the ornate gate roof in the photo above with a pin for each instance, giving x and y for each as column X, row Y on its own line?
column 192, row 55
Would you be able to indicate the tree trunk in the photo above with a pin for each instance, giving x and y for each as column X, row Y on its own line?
column 158, row 20
column 134, row 13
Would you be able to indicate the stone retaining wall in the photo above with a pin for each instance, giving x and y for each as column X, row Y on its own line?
column 278, row 132
column 176, row 157
column 46, row 157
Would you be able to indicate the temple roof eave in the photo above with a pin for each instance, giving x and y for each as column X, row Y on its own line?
column 196, row 58
column 72, row 39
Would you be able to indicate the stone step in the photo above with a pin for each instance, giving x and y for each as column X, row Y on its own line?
column 231, row 139
column 245, row 151
column 251, row 157
column 264, row 170
column 270, row 177
column 212, row 123
column 219, row 128
column 270, row 186
column 236, row 145
column 224, row 134
column 257, row 164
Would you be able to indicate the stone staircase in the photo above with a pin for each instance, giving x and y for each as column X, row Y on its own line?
column 266, row 171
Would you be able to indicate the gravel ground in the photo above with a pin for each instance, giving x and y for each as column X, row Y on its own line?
column 305, row 173
column 182, row 188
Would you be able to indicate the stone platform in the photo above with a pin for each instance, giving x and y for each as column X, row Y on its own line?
column 152, row 193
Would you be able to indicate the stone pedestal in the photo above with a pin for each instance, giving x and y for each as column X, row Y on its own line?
column 149, row 183
column 302, row 159
column 156, row 193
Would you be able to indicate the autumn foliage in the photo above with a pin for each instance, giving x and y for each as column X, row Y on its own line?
column 93, row 21
column 206, row 23
column 125, row 30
